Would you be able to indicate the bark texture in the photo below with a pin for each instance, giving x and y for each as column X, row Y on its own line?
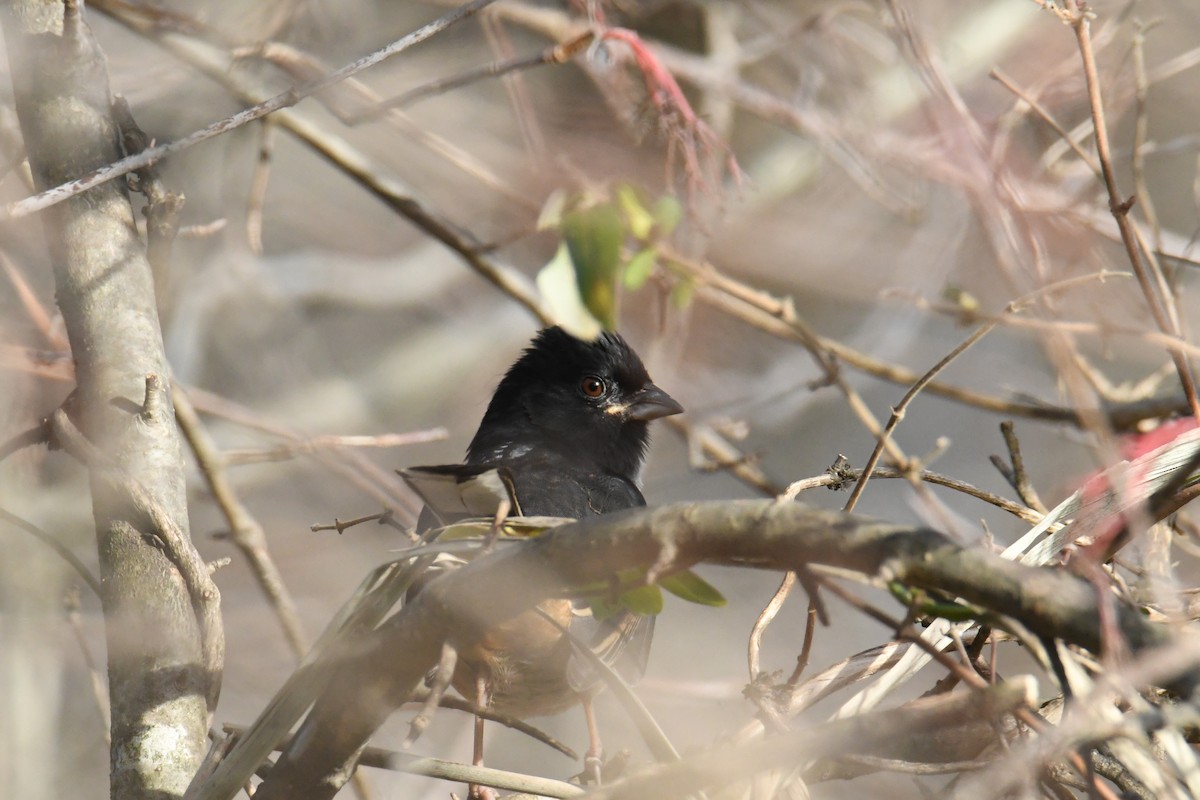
column 163, row 667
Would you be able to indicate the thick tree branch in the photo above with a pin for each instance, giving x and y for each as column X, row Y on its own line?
column 159, row 682
column 463, row 605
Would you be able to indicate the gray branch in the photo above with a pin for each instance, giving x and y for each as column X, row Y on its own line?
column 461, row 606
column 161, row 684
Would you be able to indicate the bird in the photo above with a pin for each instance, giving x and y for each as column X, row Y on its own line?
column 564, row 435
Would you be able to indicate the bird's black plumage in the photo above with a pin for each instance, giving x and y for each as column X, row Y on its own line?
column 539, row 409
column 566, row 429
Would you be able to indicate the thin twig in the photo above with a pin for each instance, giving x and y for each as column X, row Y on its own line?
column 900, row 408
column 360, row 472
column 37, row 313
column 1154, row 288
column 507, row 720
column 285, row 99
column 309, row 446
column 764, row 619
column 380, row 758
column 524, row 110
column 1045, row 116
column 245, row 529
column 836, row 481
column 810, row 626
column 725, row 455
column 341, row 526
column 54, row 544
column 1141, row 133
column 95, row 674
column 1019, row 476
column 259, row 181
column 557, row 54
column 437, row 689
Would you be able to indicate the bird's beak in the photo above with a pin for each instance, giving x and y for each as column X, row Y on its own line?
column 651, row 403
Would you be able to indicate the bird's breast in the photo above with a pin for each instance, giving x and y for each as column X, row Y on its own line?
column 524, row 663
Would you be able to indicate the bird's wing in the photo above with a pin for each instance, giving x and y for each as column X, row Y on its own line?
column 455, row 492
column 546, row 485
column 621, row 641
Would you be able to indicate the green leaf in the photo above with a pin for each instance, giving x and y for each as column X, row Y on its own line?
column 594, row 237
column 682, row 292
column 559, row 288
column 645, row 600
column 602, row 609
column 689, row 586
column 667, row 213
column 641, row 222
column 639, row 268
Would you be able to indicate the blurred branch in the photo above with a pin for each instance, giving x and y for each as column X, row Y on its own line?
column 359, row 471
column 246, row 531
column 558, row 54
column 399, row 761
column 837, row 479
column 763, row 534
column 1158, row 295
column 58, row 547
column 718, row 767
column 259, row 109
column 161, row 610
column 300, row 447
column 345, row 101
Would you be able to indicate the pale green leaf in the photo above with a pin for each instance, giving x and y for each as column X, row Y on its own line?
column 559, row 288
column 645, row 600
column 594, row 237
column 689, row 586
column 667, row 213
column 640, row 268
column 641, row 222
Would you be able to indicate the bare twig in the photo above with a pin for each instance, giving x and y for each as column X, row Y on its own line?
column 764, row 619
column 1154, row 288
column 507, row 720
column 1017, row 476
column 95, row 675
column 246, row 531
column 258, row 186
column 54, row 544
column 314, row 444
column 1141, row 132
column 836, row 481
column 38, row 202
column 810, row 627
column 437, row 689
column 341, row 526
column 899, row 409
column 558, row 54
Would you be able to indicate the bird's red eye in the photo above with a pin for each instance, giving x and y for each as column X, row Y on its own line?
column 592, row 386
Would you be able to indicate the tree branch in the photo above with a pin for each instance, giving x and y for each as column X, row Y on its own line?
column 160, row 682
column 466, row 603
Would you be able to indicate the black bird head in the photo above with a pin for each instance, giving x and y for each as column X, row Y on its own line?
column 588, row 400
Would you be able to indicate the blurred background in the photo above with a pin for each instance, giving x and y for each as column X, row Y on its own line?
column 890, row 188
